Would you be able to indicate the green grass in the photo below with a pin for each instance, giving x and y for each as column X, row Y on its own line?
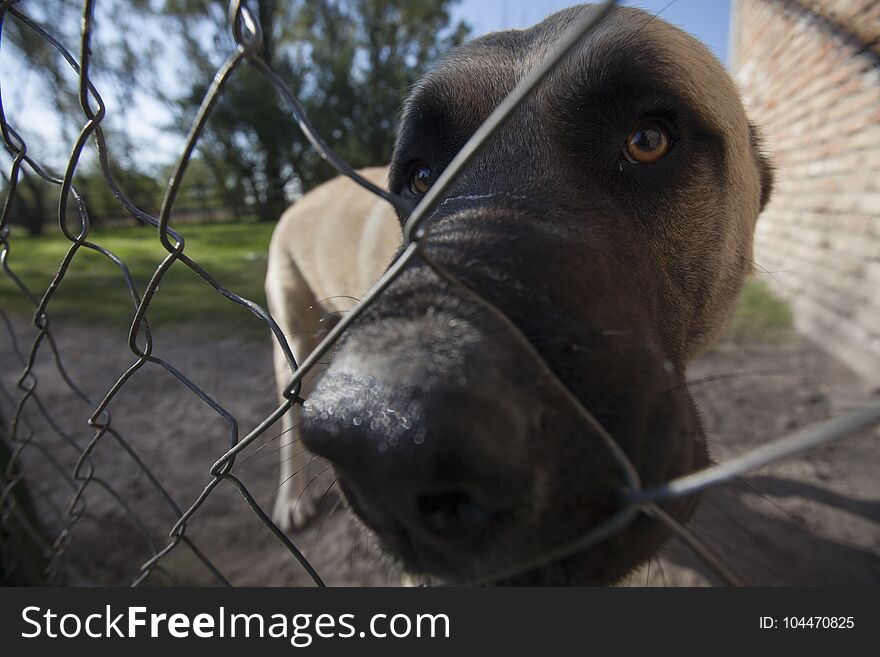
column 93, row 290
column 761, row 314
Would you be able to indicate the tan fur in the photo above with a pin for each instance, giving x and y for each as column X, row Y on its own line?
column 328, row 247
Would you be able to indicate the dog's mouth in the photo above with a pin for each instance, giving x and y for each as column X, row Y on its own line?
column 502, row 558
column 453, row 541
column 513, row 547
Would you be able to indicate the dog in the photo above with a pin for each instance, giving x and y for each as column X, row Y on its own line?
column 601, row 240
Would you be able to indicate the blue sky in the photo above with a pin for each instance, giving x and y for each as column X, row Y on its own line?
column 706, row 19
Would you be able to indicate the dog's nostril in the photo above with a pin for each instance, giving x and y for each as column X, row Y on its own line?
column 452, row 512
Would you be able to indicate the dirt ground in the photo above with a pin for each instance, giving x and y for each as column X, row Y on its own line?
column 813, row 520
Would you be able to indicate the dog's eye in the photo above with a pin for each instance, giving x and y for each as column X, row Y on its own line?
column 420, row 178
column 647, row 143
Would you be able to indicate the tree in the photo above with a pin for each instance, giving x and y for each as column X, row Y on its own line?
column 33, row 202
column 142, row 189
column 29, row 56
column 348, row 61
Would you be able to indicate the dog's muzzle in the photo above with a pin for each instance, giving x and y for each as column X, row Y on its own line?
column 458, row 442
column 428, row 433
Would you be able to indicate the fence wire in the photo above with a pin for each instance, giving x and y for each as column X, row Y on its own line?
column 22, row 435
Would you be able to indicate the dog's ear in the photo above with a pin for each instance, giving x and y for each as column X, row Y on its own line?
column 765, row 168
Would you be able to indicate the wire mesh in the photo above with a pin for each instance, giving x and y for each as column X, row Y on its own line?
column 22, row 436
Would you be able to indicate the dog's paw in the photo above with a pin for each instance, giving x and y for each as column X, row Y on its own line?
column 408, row 580
column 292, row 510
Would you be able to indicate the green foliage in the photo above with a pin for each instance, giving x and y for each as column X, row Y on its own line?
column 348, row 61
column 761, row 314
column 35, row 66
column 93, row 291
column 33, row 203
column 117, row 53
column 140, row 188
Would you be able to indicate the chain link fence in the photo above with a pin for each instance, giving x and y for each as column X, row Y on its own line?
column 26, row 554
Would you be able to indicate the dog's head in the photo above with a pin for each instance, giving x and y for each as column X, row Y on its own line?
column 609, row 224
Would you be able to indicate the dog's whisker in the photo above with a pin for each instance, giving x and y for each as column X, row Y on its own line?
column 292, row 475
column 315, row 332
column 315, row 373
column 771, row 274
column 354, row 545
column 287, row 459
column 333, row 314
column 794, row 517
column 327, row 513
column 253, row 458
column 736, row 375
column 662, row 572
column 749, row 555
column 256, row 455
column 712, row 378
column 337, row 296
column 305, row 488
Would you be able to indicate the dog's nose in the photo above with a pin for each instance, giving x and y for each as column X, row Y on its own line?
column 436, row 461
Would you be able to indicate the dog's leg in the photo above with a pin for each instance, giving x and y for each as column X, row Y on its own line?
column 281, row 512
column 298, row 314
column 294, row 502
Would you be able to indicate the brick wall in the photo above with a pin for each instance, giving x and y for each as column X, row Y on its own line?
column 815, row 93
